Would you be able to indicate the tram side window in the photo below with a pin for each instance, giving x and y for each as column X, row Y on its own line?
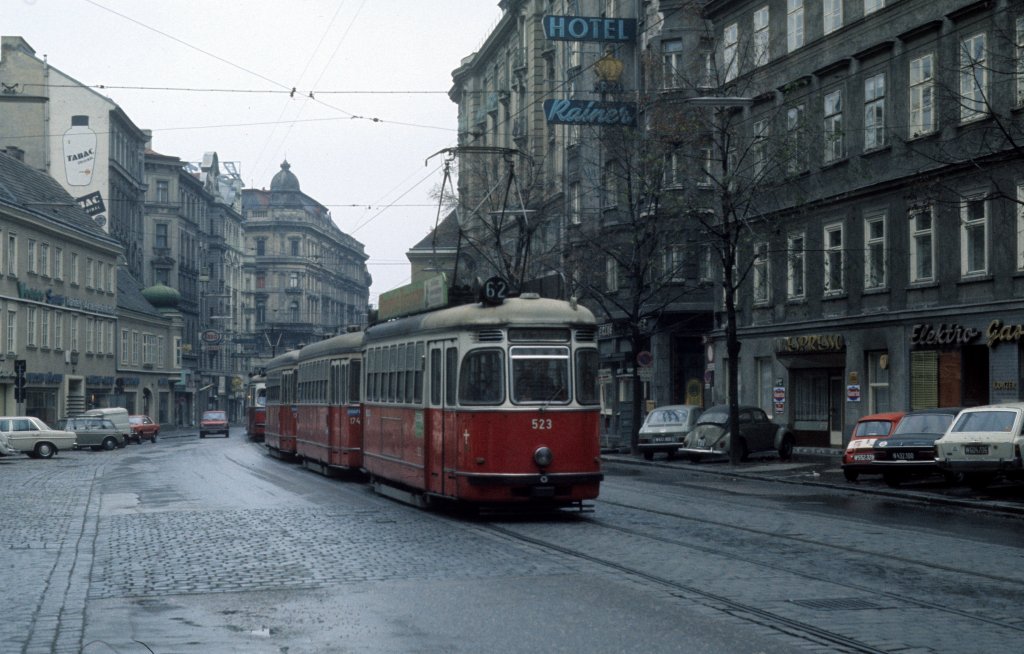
column 481, row 378
column 587, row 362
column 399, row 364
column 451, row 357
column 353, row 381
column 417, row 391
column 410, row 373
column 435, row 377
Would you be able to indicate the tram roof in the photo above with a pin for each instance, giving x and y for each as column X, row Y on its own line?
column 342, row 343
column 282, row 360
column 526, row 311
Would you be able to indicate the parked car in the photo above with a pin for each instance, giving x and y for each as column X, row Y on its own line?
column 213, row 422
column 984, row 443
column 859, row 451
column 710, row 437
column 34, row 437
column 910, row 450
column 95, row 433
column 144, row 427
column 665, row 427
column 118, row 416
column 5, row 446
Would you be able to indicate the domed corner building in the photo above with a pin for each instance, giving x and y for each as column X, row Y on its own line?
column 310, row 279
column 147, row 345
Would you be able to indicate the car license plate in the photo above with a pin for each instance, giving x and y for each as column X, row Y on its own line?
column 903, row 456
column 662, row 439
column 863, row 457
column 975, row 449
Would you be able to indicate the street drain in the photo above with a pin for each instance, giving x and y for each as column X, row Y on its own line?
column 837, row 604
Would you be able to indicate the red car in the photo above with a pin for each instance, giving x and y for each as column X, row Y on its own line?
column 144, row 427
column 860, row 451
column 213, row 422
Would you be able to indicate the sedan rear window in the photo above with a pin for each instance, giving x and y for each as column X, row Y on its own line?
column 214, row 415
column 873, row 428
column 985, row 421
column 667, row 417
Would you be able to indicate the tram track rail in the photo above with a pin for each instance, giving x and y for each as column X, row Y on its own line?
column 807, row 632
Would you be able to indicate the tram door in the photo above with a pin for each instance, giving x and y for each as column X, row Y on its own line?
column 442, row 362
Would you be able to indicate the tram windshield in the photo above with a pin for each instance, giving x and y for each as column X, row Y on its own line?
column 540, row 375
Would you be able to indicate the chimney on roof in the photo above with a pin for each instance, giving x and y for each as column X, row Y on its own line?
column 15, row 152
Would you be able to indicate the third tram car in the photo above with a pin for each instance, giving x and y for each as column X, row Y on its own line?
column 329, row 434
column 256, row 407
column 484, row 404
column 281, row 408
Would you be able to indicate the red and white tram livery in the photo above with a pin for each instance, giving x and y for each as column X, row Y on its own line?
column 485, row 404
column 279, row 434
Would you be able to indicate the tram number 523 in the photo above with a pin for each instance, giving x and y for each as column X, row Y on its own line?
column 541, row 424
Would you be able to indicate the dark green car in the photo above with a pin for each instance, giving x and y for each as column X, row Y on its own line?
column 95, row 433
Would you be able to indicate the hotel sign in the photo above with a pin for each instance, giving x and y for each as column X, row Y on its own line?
column 589, row 112
column 582, row 28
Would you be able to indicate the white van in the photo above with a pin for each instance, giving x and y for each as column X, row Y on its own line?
column 119, row 417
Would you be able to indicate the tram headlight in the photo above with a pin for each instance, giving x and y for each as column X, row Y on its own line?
column 543, row 456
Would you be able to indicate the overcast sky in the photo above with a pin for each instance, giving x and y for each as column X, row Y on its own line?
column 217, row 77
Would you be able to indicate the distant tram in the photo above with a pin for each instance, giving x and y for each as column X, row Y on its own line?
column 256, row 408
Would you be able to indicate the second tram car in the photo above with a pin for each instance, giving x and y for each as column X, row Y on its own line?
column 256, row 408
column 329, row 434
column 484, row 404
column 281, row 408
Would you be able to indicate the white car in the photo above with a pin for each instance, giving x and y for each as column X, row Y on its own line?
column 984, row 443
column 5, row 446
column 34, row 437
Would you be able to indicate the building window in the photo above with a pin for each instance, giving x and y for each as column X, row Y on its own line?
column 58, row 263
column 707, row 76
column 671, row 63
column 58, row 330
column 12, row 254
column 973, row 78
column 796, row 157
column 44, row 259
column 922, row 245
column 136, row 347
column 160, row 236
column 31, row 256
column 672, row 263
column 74, row 268
column 874, row 251
column 611, row 274
column 832, row 11
column 761, row 37
column 794, row 24
column 609, row 186
column 759, row 147
column 12, row 332
column 922, row 95
column 874, row 112
column 163, row 192
column 575, row 203
column 672, row 174
column 871, row 6
column 762, row 279
column 974, row 236
column 177, row 352
column 261, row 247
column 730, row 51
column 833, row 126
column 834, row 259
column 293, row 244
column 878, row 382
column 124, row 346
column 74, row 333
column 30, row 326
column 795, row 266
column 1020, row 60
column 293, row 280
column 44, row 328
column 705, row 176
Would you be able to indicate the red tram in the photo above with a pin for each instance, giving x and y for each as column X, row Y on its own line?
column 484, row 404
column 256, row 408
column 281, row 408
column 329, row 433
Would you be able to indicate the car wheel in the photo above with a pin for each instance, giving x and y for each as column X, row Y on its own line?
column 649, row 456
column 110, row 443
column 202, row 435
column 850, row 475
column 892, row 480
column 45, row 450
column 786, row 448
column 152, row 438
